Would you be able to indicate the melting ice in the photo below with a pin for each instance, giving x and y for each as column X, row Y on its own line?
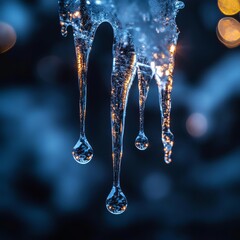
column 145, row 38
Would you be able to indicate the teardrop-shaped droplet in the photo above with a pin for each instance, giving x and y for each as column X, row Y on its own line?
column 179, row 5
column 116, row 202
column 141, row 142
column 145, row 75
column 82, row 151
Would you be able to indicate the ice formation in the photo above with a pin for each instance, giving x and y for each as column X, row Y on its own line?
column 145, row 38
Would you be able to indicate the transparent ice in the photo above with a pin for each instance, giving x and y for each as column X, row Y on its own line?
column 145, row 38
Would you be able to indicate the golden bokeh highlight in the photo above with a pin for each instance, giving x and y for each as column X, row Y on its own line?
column 229, row 7
column 197, row 125
column 228, row 32
column 7, row 37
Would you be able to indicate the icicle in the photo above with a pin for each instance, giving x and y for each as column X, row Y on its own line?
column 164, row 80
column 165, row 106
column 142, row 30
column 82, row 151
column 144, row 78
column 124, row 68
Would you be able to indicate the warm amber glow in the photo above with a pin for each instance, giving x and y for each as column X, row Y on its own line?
column 76, row 14
column 172, row 49
column 228, row 32
column 167, row 73
column 7, row 37
column 229, row 7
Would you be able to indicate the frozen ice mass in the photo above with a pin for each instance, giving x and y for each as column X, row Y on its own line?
column 145, row 40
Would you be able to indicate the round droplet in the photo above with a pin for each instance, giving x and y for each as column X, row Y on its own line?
column 167, row 156
column 82, row 151
column 116, row 202
column 168, row 160
column 141, row 142
column 179, row 4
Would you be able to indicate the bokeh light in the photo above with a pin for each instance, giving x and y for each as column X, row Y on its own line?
column 7, row 37
column 197, row 125
column 228, row 32
column 44, row 194
column 228, row 29
column 21, row 17
column 229, row 7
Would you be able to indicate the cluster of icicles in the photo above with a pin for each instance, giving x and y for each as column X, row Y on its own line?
column 145, row 38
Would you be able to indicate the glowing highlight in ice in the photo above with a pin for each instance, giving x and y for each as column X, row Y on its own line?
column 145, row 39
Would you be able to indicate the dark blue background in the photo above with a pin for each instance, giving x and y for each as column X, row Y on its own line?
column 45, row 194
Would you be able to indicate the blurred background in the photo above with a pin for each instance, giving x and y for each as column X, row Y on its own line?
column 45, row 194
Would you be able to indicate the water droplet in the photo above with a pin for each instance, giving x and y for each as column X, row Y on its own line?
column 124, row 63
column 116, row 202
column 82, row 151
column 144, row 78
column 141, row 142
column 143, row 55
column 179, row 4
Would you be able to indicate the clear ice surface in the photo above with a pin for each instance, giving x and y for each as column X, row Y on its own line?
column 144, row 77
column 145, row 39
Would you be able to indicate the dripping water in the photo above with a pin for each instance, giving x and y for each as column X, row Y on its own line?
column 82, row 151
column 124, row 68
column 134, row 40
column 144, row 78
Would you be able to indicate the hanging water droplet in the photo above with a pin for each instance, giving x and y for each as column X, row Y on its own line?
column 179, row 5
column 116, row 202
column 82, row 151
column 136, row 46
column 144, row 78
column 124, row 63
column 141, row 141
